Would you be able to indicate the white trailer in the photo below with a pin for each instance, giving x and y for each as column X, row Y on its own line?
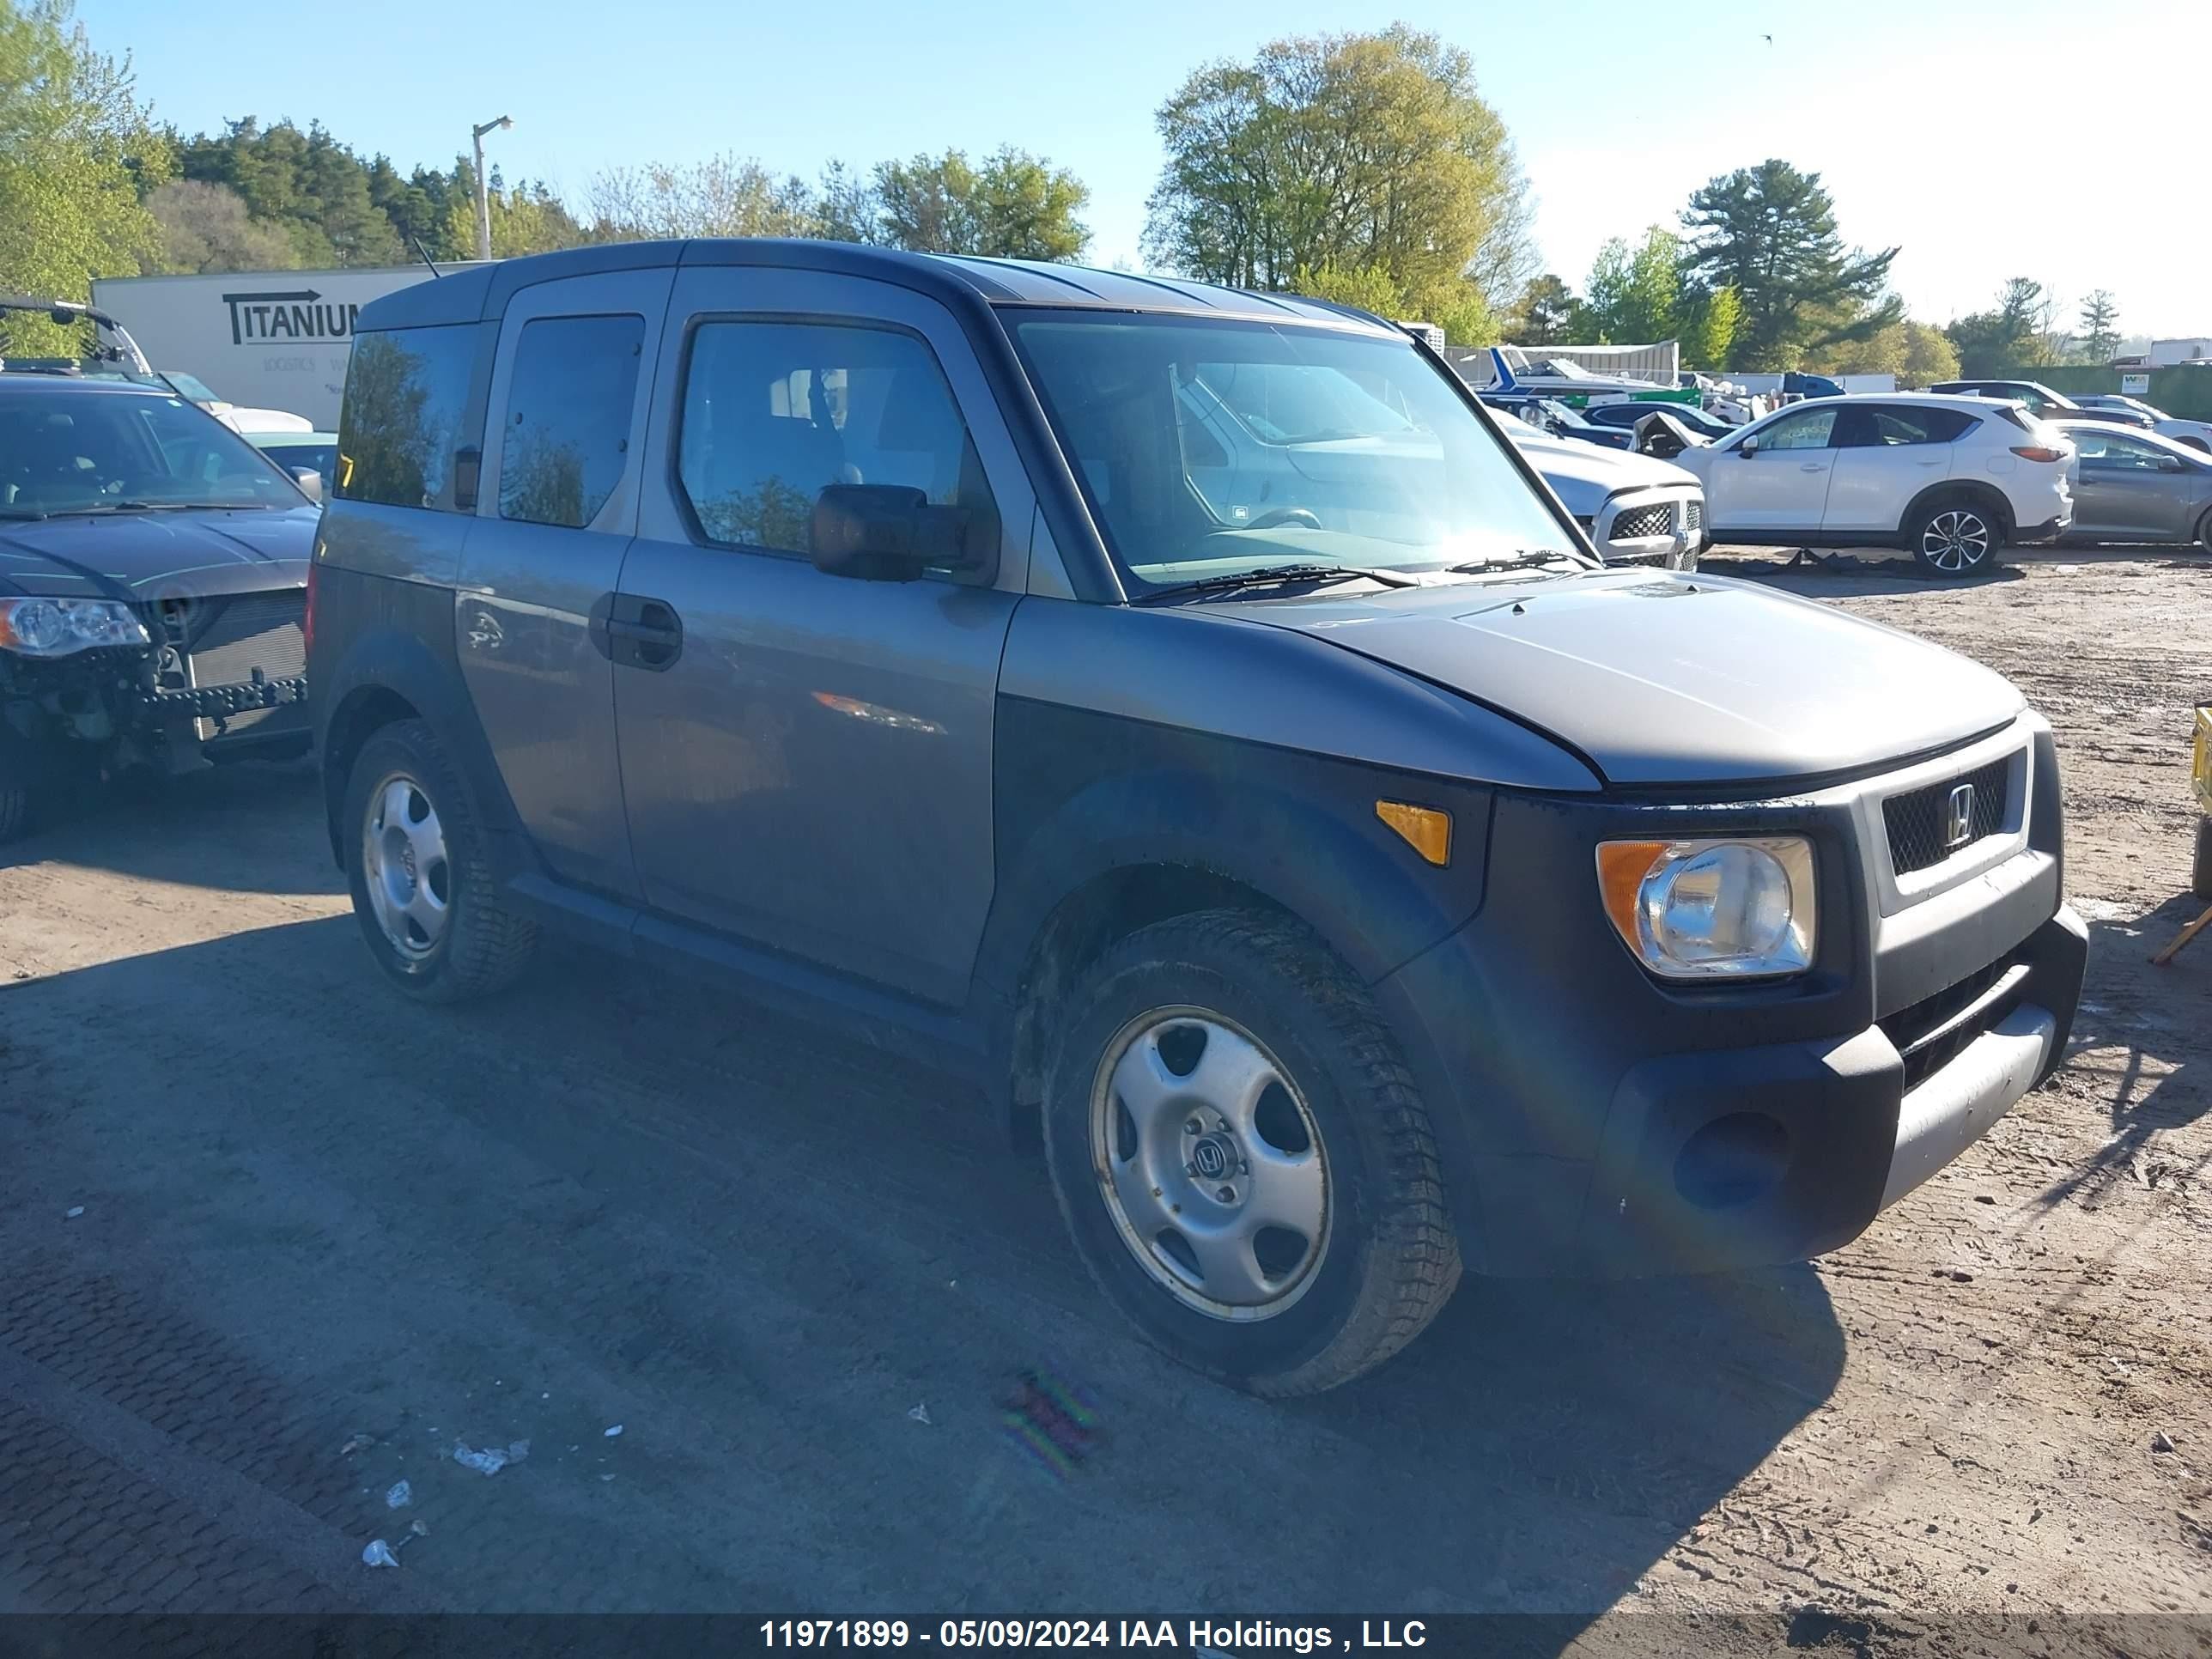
column 274, row 339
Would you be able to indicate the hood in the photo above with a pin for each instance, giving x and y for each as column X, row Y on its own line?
column 195, row 552
column 1670, row 677
column 1583, row 475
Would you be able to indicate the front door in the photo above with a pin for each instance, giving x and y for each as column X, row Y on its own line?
column 1885, row 455
column 2124, row 490
column 1783, row 483
column 806, row 758
column 558, row 505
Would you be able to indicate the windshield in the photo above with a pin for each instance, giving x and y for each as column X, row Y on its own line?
column 1560, row 368
column 66, row 452
column 1208, row 447
column 197, row 390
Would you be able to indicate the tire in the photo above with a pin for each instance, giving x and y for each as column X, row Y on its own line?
column 2204, row 533
column 1955, row 536
column 15, row 812
column 2200, row 873
column 1324, row 1125
column 407, row 818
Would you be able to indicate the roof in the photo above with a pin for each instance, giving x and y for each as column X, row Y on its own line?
column 482, row 291
column 1936, row 399
column 32, row 379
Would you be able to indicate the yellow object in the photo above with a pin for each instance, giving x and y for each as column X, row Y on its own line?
column 1621, row 867
column 2201, row 771
column 1426, row 831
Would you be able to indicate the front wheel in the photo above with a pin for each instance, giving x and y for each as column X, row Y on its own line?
column 1242, row 1158
column 1956, row 537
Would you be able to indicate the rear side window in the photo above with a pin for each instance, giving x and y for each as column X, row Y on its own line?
column 565, row 437
column 1881, row 426
column 405, row 391
column 773, row 411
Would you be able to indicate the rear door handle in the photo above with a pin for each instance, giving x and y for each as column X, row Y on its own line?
column 633, row 631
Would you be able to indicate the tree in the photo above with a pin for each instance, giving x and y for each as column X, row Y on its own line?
column 2012, row 336
column 1015, row 206
column 1914, row 353
column 526, row 219
column 1546, row 312
column 1368, row 287
column 303, row 181
column 1707, row 323
column 207, row 228
column 1930, row 357
column 722, row 196
column 76, row 151
column 1630, row 299
column 1350, row 150
column 2100, row 330
column 1769, row 232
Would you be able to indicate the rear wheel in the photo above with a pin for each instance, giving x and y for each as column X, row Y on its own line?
column 1956, row 536
column 425, row 897
column 1242, row 1158
column 2204, row 533
column 15, row 811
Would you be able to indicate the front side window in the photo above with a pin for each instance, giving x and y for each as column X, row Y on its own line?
column 2106, row 448
column 1807, row 428
column 405, row 393
column 775, row 411
column 1209, row 446
column 565, row 438
column 64, row 452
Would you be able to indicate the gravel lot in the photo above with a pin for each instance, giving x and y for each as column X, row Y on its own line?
column 326, row 1234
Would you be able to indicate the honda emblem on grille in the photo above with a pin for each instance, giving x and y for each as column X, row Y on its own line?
column 1960, row 818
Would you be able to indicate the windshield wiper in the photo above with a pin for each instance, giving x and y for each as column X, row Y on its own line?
column 1515, row 561
column 153, row 507
column 1269, row 574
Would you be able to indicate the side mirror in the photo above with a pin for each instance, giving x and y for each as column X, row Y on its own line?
column 884, row 533
column 310, row 482
column 1748, row 446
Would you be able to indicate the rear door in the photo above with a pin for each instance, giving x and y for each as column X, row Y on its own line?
column 557, row 511
column 1783, row 483
column 806, row 758
column 1885, row 455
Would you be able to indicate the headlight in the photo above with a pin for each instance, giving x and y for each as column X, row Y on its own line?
column 56, row 627
column 1707, row 910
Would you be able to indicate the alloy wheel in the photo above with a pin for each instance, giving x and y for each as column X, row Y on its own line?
column 1210, row 1162
column 1958, row 538
column 408, row 872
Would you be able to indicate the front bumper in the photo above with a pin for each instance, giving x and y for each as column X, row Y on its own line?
column 1595, row 1121
column 1662, row 525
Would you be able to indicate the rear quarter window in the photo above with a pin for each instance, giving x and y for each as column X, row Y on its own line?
column 406, row 391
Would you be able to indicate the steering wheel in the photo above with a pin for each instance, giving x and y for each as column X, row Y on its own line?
column 1303, row 516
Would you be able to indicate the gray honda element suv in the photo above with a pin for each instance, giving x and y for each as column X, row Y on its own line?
column 1349, row 878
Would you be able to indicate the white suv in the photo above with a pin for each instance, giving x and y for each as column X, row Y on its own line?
column 1949, row 479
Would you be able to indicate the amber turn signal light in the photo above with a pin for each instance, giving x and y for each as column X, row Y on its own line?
column 1425, row 830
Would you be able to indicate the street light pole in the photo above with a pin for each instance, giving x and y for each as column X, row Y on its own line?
column 484, row 185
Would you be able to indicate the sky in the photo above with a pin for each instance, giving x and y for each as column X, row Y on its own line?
column 2056, row 139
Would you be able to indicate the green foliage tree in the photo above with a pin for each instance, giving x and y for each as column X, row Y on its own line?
column 1706, row 323
column 722, row 196
column 1631, row 295
column 2100, row 326
column 76, row 151
column 207, row 228
column 1914, row 353
column 1546, row 312
column 1015, row 206
column 301, row 180
column 528, row 218
column 1352, row 151
column 1769, row 232
column 1370, row 288
column 2015, row 335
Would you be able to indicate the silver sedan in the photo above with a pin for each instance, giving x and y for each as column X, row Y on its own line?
column 2133, row 486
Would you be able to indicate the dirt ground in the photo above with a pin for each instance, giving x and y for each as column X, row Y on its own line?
column 324, row 1235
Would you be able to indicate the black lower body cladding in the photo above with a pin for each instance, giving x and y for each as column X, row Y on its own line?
column 1596, row 1121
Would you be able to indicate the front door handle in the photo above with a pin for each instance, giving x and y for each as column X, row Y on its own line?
column 1814, row 466
column 633, row 631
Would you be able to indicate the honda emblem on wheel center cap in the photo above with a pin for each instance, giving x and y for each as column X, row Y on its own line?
column 1211, row 1157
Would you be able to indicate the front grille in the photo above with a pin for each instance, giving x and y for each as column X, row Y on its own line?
column 1693, row 516
column 1915, row 1025
column 232, row 638
column 1656, row 521
column 1921, row 833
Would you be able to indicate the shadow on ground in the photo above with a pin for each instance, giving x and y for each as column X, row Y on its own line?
column 803, row 1277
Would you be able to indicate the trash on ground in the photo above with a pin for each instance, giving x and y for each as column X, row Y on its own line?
column 919, row 1414
column 378, row 1554
column 615, row 1430
column 73, row 1212
column 517, row 1450
column 399, row 1496
column 356, row 1442
column 491, row 1461
column 2161, row 1442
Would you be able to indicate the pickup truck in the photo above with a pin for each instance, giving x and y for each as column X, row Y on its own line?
column 1345, row 877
